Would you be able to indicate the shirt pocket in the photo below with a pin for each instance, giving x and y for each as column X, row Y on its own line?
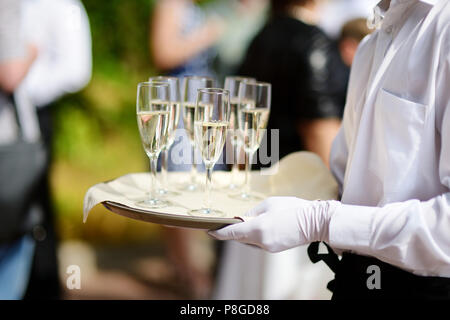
column 399, row 128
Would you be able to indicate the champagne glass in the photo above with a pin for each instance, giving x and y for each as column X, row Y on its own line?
column 153, row 112
column 174, row 118
column 190, row 86
column 232, row 85
column 211, row 121
column 253, row 115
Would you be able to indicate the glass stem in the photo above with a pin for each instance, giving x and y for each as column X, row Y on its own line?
column 207, row 203
column 194, row 167
column 164, row 168
column 248, row 167
column 235, row 168
column 153, row 165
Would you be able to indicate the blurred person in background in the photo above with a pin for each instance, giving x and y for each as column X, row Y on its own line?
column 244, row 18
column 17, row 56
column 182, row 38
column 18, row 120
column 182, row 43
column 60, row 30
column 335, row 13
column 351, row 35
column 307, row 75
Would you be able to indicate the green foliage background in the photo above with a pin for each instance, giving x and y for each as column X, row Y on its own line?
column 95, row 137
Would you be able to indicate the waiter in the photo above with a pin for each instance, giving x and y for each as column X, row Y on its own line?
column 391, row 159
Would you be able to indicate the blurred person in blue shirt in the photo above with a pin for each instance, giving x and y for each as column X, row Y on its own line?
column 59, row 31
column 16, row 58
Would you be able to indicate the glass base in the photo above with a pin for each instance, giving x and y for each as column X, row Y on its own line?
column 246, row 196
column 190, row 187
column 165, row 192
column 233, row 187
column 153, row 203
column 205, row 212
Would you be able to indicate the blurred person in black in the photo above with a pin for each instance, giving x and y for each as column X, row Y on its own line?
column 308, row 79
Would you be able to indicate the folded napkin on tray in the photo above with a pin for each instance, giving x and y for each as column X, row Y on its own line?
column 129, row 189
column 300, row 174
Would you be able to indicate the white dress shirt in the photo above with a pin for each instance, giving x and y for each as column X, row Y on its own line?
column 60, row 29
column 13, row 46
column 392, row 154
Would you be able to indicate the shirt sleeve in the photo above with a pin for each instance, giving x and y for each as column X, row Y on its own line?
column 413, row 235
column 65, row 64
column 11, row 44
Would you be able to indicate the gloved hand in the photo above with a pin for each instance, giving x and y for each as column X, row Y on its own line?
column 281, row 223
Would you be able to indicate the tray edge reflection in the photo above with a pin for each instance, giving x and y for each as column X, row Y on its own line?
column 168, row 219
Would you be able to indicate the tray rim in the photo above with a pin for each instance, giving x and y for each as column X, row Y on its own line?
column 173, row 220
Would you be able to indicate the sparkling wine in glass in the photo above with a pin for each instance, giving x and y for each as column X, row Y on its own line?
column 174, row 118
column 232, row 84
column 189, row 95
column 211, row 121
column 253, row 115
column 153, row 112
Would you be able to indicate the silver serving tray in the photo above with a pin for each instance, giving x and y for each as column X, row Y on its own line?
column 168, row 219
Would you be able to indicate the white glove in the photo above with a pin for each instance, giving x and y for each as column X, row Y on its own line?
column 281, row 223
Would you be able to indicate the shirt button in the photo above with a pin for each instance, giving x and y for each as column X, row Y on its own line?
column 389, row 29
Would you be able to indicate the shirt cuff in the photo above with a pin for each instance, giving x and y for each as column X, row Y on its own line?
column 350, row 227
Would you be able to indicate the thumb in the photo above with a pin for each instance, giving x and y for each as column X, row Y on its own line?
column 233, row 232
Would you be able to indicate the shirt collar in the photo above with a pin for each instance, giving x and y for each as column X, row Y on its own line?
column 383, row 6
column 432, row 2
